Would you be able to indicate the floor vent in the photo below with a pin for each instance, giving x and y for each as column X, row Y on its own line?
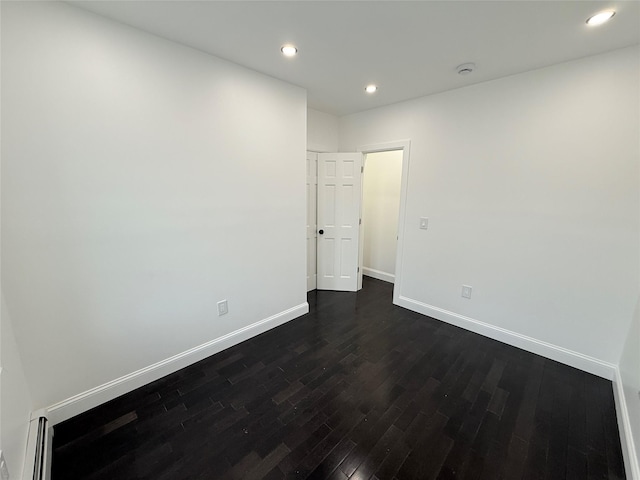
column 39, row 446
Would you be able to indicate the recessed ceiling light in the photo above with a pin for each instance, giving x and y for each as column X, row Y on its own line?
column 600, row 18
column 289, row 50
column 371, row 88
column 465, row 68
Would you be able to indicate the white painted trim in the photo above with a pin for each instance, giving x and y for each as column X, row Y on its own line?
column 96, row 396
column 312, row 180
column 554, row 352
column 362, row 224
column 317, row 148
column 34, row 443
column 30, row 453
column 405, row 146
column 384, row 276
column 312, row 282
column 631, row 466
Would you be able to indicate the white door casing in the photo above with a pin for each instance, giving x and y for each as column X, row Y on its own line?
column 312, row 231
column 339, row 199
column 405, row 146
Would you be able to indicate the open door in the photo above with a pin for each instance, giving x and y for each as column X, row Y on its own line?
column 312, row 230
column 339, row 197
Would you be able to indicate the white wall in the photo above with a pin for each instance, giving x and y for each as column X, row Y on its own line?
column 143, row 181
column 322, row 131
column 530, row 184
column 380, row 208
column 630, row 374
column 15, row 400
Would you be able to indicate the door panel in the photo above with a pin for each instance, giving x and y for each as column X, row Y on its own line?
column 312, row 195
column 339, row 196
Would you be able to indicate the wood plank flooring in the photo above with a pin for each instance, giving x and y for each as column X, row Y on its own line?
column 357, row 389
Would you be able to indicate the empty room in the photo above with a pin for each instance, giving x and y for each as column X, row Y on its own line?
column 378, row 240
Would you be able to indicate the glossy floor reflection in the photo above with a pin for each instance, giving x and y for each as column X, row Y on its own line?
column 359, row 389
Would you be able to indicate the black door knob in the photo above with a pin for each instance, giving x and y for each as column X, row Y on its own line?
column 320, row 232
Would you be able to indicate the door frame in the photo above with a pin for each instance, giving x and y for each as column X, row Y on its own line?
column 312, row 280
column 405, row 146
column 315, row 151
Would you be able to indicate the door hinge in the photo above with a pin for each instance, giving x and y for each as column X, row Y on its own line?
column 362, row 169
column 360, row 223
column 358, row 269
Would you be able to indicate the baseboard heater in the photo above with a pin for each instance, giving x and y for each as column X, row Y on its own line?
column 37, row 465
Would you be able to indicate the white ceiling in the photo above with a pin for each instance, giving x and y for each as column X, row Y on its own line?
column 410, row 49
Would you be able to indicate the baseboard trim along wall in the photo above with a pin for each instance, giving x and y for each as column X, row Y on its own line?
column 568, row 357
column 631, row 466
column 96, row 396
column 384, row 276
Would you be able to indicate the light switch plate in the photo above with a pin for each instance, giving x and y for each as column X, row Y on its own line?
column 424, row 223
column 223, row 308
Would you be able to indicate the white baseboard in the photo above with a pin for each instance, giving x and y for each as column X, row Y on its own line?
column 96, row 396
column 568, row 357
column 631, row 466
column 384, row 276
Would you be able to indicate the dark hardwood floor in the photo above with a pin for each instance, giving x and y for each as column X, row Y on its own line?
column 358, row 389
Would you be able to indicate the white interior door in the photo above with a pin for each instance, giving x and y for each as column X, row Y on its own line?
column 312, row 231
column 339, row 197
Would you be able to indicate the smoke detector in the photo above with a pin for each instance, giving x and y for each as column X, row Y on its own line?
column 465, row 68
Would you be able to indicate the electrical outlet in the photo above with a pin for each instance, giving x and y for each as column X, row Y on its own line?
column 466, row 291
column 223, row 307
column 424, row 223
column 4, row 471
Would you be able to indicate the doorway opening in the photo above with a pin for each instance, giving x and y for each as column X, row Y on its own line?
column 381, row 188
column 335, row 226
